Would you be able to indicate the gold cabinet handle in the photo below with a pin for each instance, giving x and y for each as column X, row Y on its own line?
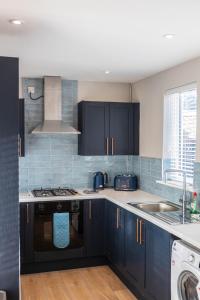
column 137, row 227
column 118, row 217
column 90, row 209
column 112, row 143
column 141, row 232
column 19, row 145
column 107, row 146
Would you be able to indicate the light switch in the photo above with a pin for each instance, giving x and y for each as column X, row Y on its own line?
column 31, row 90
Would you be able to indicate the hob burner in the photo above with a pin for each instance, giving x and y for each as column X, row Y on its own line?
column 54, row 192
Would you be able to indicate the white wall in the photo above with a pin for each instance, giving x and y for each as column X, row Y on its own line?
column 103, row 91
column 150, row 93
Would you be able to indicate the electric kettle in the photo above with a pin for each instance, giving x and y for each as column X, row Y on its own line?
column 100, row 181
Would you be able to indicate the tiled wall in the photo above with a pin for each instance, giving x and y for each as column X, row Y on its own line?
column 52, row 160
column 149, row 170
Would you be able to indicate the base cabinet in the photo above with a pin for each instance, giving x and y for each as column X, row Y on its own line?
column 94, row 227
column 158, row 260
column 26, row 232
column 115, row 235
column 134, row 243
column 147, row 258
column 139, row 251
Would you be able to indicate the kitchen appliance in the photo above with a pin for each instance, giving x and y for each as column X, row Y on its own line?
column 125, row 182
column 100, row 181
column 185, row 272
column 53, row 109
column 43, row 230
column 54, row 192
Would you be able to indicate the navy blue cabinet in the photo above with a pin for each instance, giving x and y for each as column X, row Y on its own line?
column 94, row 127
column 115, row 235
column 108, row 128
column 158, row 260
column 9, row 199
column 147, row 258
column 95, row 227
column 21, row 134
column 26, row 232
column 124, row 128
column 135, row 249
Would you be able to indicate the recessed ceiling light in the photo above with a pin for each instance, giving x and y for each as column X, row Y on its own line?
column 169, row 36
column 107, row 72
column 16, row 21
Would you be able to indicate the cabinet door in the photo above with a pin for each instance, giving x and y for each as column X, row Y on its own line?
column 21, row 133
column 119, row 128
column 95, row 227
column 115, row 235
column 93, row 124
column 9, row 199
column 135, row 249
column 134, row 129
column 158, row 259
column 26, row 232
column 124, row 128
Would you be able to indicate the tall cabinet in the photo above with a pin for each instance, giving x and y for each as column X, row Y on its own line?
column 9, row 202
column 108, row 128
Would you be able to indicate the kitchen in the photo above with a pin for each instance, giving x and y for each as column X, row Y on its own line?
column 100, row 169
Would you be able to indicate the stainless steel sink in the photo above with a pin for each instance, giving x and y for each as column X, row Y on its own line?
column 157, row 207
column 165, row 211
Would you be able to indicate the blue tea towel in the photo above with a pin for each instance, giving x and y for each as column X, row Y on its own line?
column 61, row 230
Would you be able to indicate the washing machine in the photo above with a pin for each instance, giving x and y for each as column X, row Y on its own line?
column 185, row 272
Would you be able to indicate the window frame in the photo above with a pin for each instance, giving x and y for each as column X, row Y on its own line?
column 178, row 180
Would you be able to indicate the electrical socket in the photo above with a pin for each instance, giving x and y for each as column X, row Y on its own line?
column 31, row 90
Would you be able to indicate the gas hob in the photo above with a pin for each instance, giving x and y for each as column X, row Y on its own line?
column 55, row 192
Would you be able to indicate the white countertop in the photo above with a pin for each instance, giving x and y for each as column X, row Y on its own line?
column 190, row 233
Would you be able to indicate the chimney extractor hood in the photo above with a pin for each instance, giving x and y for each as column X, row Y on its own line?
column 53, row 109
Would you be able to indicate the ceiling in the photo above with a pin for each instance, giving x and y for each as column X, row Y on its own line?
column 80, row 39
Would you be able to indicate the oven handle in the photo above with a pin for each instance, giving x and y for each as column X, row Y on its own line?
column 27, row 213
column 90, row 209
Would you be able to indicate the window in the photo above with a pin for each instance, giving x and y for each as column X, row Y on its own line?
column 179, row 144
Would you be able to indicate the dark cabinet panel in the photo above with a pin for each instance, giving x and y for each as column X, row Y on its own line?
column 95, row 227
column 158, row 260
column 108, row 128
column 21, row 128
column 147, row 257
column 26, row 232
column 134, row 129
column 120, row 114
column 135, row 248
column 93, row 124
column 115, row 235
column 9, row 199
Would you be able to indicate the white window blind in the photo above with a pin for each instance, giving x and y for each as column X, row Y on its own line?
column 179, row 144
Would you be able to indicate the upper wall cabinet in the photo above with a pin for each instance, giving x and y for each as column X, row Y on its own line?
column 108, row 128
column 21, row 134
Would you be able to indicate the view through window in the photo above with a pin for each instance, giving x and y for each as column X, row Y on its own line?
column 179, row 144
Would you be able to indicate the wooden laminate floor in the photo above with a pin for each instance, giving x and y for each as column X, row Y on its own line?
column 96, row 283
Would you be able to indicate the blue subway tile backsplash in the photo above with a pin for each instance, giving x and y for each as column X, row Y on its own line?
column 52, row 160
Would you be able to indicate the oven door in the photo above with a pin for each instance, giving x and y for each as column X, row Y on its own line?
column 44, row 222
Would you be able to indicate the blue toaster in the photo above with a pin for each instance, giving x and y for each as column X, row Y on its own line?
column 126, row 182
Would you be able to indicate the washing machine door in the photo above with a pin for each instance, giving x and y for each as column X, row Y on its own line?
column 189, row 285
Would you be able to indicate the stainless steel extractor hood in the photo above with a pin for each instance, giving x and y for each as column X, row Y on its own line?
column 53, row 109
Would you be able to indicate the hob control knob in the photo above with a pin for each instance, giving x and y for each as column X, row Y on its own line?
column 191, row 258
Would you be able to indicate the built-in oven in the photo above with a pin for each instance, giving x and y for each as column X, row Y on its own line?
column 45, row 229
